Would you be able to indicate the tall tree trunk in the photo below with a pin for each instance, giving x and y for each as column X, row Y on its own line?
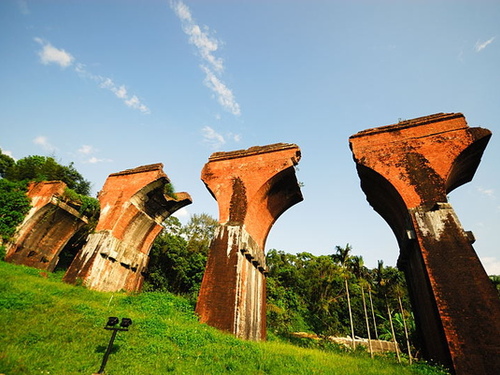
column 350, row 314
column 406, row 329
column 373, row 313
column 393, row 333
column 367, row 322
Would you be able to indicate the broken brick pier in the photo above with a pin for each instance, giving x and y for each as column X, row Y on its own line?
column 253, row 188
column 48, row 226
column 406, row 172
column 133, row 206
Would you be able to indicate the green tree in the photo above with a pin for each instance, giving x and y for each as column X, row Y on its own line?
column 179, row 254
column 343, row 256
column 495, row 279
column 6, row 162
column 42, row 168
column 14, row 205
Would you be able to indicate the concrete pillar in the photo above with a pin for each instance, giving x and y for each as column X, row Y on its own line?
column 48, row 226
column 133, row 206
column 406, row 172
column 253, row 188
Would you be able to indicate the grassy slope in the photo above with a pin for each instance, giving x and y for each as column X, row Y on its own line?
column 48, row 327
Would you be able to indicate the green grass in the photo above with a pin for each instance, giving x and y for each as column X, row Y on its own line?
column 48, row 327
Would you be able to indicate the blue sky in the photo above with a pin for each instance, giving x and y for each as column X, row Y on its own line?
column 115, row 84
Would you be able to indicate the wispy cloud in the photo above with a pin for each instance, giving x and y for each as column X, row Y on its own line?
column 482, row 45
column 491, row 265
column 216, row 140
column 182, row 213
column 43, row 142
column 225, row 96
column 52, row 55
column 121, row 92
column 8, row 153
column 206, row 46
column 212, row 138
column 487, row 192
column 87, row 151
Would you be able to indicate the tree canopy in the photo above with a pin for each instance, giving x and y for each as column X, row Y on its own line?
column 42, row 168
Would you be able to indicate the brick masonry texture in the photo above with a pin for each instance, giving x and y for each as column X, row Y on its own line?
column 133, row 206
column 406, row 171
column 253, row 188
column 46, row 229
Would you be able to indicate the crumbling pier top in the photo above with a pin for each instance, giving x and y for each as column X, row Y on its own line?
column 406, row 171
column 253, row 188
column 133, row 206
column 48, row 226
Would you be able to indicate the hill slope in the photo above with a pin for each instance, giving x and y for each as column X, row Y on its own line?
column 48, row 327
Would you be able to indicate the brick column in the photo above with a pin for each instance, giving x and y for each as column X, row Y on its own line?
column 48, row 226
column 133, row 206
column 253, row 188
column 406, row 172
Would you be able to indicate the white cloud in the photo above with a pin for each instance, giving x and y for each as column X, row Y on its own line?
column 487, row 192
column 216, row 140
column 482, row 45
column 8, row 153
column 225, row 96
column 120, row 91
column 491, row 265
column 87, row 152
column 44, row 143
column 94, row 160
column 201, row 39
column 52, row 55
column 86, row 149
column 181, row 213
column 206, row 46
column 211, row 137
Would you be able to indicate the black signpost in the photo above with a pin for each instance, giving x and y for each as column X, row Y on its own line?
column 112, row 325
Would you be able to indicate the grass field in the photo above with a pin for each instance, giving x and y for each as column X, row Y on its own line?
column 49, row 327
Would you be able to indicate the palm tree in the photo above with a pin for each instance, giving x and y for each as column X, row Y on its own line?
column 342, row 257
column 370, row 285
column 399, row 292
column 361, row 273
column 384, row 284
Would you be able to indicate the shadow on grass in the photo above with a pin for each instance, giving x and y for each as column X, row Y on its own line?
column 102, row 349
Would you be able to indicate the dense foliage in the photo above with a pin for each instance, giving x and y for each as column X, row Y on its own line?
column 310, row 293
column 305, row 293
column 179, row 254
column 42, row 168
column 14, row 203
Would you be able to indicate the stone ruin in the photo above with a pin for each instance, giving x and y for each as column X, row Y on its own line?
column 406, row 172
column 48, row 226
column 253, row 188
column 133, row 207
